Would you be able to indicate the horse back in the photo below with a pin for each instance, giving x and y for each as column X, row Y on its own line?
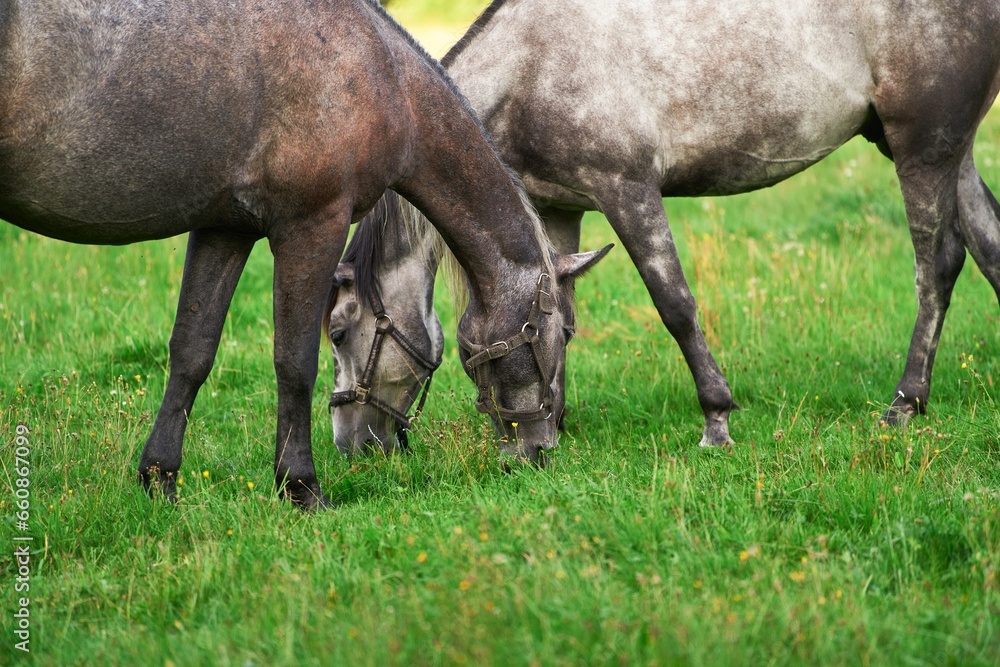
column 703, row 96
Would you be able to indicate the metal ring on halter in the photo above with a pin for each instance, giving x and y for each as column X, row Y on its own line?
column 481, row 355
column 362, row 391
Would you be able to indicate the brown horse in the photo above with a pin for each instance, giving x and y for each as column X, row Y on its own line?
column 246, row 120
column 612, row 105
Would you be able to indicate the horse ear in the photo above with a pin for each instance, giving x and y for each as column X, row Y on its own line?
column 344, row 274
column 573, row 266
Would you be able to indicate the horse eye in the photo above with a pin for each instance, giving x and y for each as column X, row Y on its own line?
column 337, row 337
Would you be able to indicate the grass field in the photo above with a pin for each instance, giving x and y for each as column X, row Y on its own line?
column 819, row 538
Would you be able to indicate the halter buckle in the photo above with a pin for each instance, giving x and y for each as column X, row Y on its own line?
column 544, row 304
column 362, row 393
column 494, row 350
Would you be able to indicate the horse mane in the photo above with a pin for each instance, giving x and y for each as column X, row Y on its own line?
column 365, row 250
column 439, row 66
column 477, row 27
column 455, row 275
column 454, row 272
column 431, row 60
column 366, row 253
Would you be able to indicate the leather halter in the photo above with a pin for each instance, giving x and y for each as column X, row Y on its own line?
column 481, row 355
column 361, row 393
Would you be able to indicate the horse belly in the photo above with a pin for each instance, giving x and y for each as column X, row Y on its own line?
column 772, row 95
column 116, row 179
column 748, row 152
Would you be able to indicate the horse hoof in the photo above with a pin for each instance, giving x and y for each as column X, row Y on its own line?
column 716, row 435
column 309, row 499
column 897, row 417
column 710, row 443
column 159, row 484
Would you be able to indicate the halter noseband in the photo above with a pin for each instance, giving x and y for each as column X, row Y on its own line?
column 361, row 393
column 480, row 355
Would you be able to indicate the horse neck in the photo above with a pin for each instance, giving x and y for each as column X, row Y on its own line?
column 459, row 182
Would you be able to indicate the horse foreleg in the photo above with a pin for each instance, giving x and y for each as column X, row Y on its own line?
column 930, row 195
column 212, row 269
column 636, row 213
column 305, row 259
column 563, row 229
column 979, row 218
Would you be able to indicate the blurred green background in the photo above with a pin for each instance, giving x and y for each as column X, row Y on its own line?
column 437, row 24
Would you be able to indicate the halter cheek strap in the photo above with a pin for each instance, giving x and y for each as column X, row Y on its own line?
column 361, row 393
column 481, row 355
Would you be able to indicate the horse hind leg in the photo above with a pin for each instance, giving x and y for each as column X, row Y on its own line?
column 979, row 220
column 212, row 269
column 930, row 194
column 931, row 102
column 636, row 213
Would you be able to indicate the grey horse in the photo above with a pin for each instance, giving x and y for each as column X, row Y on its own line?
column 387, row 338
column 249, row 120
column 612, row 105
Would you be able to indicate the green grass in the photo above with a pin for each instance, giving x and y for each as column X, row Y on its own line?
column 820, row 538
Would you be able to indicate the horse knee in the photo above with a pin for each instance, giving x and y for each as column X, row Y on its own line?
column 193, row 363
column 295, row 373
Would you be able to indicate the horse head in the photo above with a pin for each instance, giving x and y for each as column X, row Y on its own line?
column 385, row 334
column 387, row 339
column 521, row 377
